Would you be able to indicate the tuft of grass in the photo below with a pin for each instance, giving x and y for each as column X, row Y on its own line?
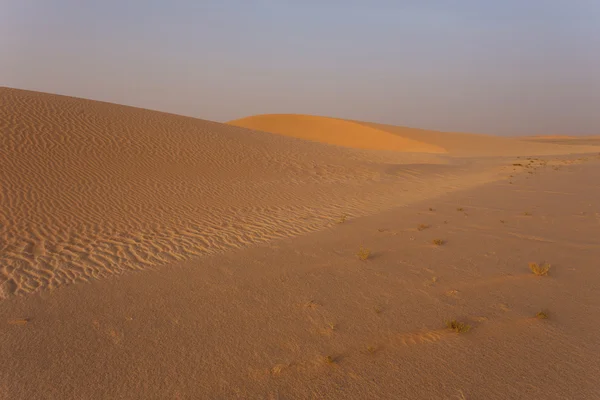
column 279, row 368
column 372, row 349
column 438, row 242
column 432, row 281
column 342, row 218
column 363, row 254
column 458, row 327
column 539, row 269
column 422, row 227
column 329, row 359
column 541, row 315
column 332, row 326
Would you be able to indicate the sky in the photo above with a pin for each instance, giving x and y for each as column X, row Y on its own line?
column 507, row 67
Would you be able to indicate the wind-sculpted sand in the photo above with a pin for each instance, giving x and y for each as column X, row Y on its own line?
column 90, row 189
column 290, row 258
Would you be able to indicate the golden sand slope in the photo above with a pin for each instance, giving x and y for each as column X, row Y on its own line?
column 334, row 131
column 368, row 135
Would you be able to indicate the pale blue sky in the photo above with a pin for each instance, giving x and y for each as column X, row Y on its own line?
column 504, row 67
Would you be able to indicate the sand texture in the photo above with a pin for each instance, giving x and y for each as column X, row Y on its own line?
column 146, row 255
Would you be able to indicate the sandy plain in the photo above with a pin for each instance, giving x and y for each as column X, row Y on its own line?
column 154, row 256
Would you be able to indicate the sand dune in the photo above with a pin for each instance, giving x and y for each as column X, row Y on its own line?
column 334, row 131
column 90, row 189
column 232, row 258
column 565, row 140
column 397, row 138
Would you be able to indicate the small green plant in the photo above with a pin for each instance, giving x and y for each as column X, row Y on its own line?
column 363, row 254
column 541, row 315
column 438, row 242
column 539, row 269
column 458, row 327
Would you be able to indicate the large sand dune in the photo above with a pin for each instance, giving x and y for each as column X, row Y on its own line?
column 90, row 189
column 242, row 243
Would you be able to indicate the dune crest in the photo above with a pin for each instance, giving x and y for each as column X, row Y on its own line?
column 335, row 131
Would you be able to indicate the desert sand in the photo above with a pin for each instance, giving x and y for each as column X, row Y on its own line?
column 146, row 255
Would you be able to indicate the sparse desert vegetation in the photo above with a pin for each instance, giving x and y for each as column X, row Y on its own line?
column 422, row 227
column 539, row 269
column 457, row 326
column 329, row 359
column 363, row 254
column 541, row 315
column 438, row 242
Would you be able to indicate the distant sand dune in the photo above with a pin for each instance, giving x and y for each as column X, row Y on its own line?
column 335, row 131
column 398, row 138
